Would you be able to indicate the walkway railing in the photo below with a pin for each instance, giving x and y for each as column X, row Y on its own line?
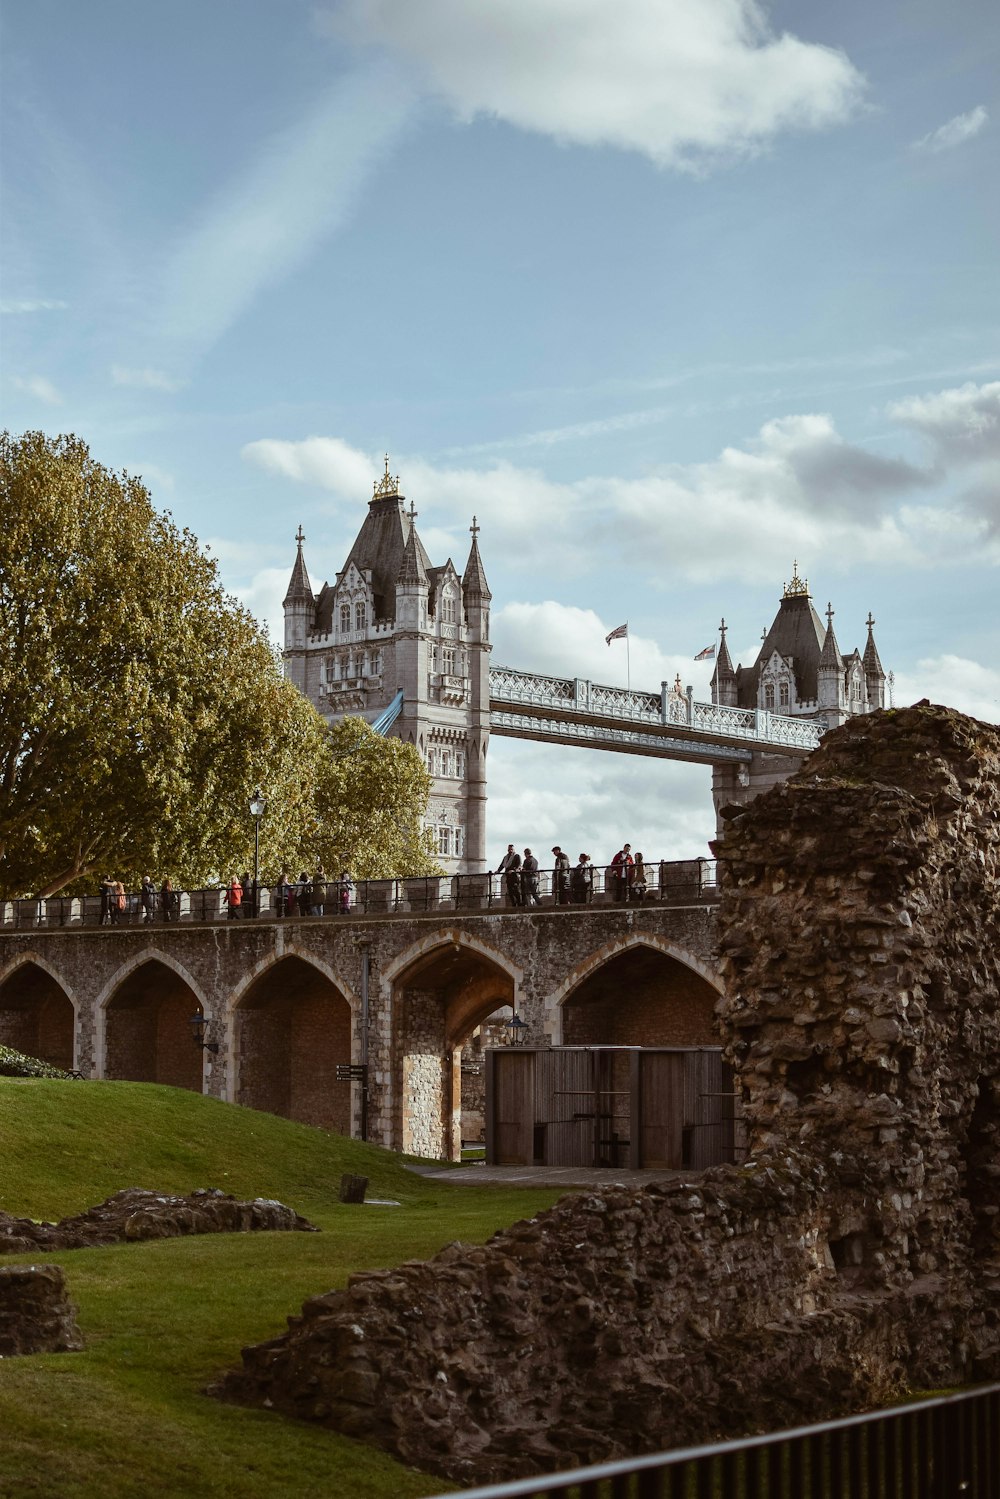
column 673, row 883
column 575, row 697
column 936, row 1449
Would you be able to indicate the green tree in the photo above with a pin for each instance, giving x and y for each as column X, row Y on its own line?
column 141, row 704
column 371, row 795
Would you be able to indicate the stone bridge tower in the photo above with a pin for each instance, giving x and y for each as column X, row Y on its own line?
column 799, row 672
column 394, row 632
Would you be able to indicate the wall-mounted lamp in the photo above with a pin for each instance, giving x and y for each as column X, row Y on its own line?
column 199, row 1026
column 517, row 1030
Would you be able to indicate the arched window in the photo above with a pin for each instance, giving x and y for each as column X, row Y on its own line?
column 360, row 615
column 448, row 607
column 783, row 695
column 769, row 696
column 345, row 618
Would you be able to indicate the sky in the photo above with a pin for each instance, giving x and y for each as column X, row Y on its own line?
column 670, row 294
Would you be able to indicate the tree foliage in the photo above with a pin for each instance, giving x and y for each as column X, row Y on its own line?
column 142, row 706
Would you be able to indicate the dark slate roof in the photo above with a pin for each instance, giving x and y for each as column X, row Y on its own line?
column 379, row 546
column 474, row 584
column 299, row 587
column 872, row 664
column 797, row 634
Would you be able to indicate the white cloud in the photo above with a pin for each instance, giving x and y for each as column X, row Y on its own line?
column 954, row 132
column 955, row 681
column 685, row 82
column 569, row 641
column 798, row 487
column 8, row 308
column 279, row 209
column 39, row 387
column 144, row 379
column 964, row 423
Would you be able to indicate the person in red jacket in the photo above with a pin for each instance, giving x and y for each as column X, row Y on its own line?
column 623, row 872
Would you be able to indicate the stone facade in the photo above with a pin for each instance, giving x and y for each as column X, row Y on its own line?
column 854, row 1255
column 282, row 1001
column 392, row 623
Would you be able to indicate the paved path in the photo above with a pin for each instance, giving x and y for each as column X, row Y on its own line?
column 544, row 1176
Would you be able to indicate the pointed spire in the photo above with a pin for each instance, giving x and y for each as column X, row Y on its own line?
column 870, row 659
column 830, row 654
column 474, row 584
column 723, row 660
column 299, row 587
column 411, row 568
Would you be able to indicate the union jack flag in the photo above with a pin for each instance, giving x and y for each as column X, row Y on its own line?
column 617, row 634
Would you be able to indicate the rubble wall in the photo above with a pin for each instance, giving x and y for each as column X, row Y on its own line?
column 853, row 1256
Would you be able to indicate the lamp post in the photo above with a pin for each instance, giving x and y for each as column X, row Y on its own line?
column 258, row 806
column 517, row 1030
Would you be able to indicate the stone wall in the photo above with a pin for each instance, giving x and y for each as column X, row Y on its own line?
column 855, row 1255
column 35, row 1312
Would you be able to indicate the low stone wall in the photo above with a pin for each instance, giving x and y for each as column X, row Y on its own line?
column 858, row 1253
column 35, row 1313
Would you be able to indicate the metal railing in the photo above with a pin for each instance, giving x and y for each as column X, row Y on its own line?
column 668, row 882
column 947, row 1448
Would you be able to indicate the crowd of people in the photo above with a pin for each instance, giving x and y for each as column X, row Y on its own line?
column 572, row 884
column 309, row 895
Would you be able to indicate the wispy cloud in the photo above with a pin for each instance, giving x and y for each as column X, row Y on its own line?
column 954, row 132
column 39, row 387
column 13, row 308
column 144, row 379
column 302, row 188
column 687, row 84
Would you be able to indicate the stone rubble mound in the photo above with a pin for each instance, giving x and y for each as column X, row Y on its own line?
column 139, row 1214
column 855, row 1255
column 35, row 1313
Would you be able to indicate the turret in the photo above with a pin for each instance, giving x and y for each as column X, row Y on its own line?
column 724, row 677
column 412, row 647
column 477, row 596
column 299, row 606
column 874, row 675
column 830, row 674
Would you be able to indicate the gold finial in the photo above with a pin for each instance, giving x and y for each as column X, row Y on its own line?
column 387, row 486
column 798, row 587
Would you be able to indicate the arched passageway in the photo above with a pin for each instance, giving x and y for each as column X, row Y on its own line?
column 37, row 1016
column 147, row 1031
column 293, row 1027
column 438, row 1002
column 641, row 997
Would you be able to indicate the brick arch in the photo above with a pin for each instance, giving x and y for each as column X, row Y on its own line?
column 439, row 990
column 293, row 1024
column 144, row 1035
column 43, row 1022
column 688, row 971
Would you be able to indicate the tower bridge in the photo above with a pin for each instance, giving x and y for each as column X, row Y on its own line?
column 406, row 645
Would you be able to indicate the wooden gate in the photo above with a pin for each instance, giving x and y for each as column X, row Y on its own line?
column 619, row 1106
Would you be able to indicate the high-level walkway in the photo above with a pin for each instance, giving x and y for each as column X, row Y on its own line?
column 572, row 710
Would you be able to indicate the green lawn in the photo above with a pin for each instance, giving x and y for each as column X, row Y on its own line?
column 127, row 1416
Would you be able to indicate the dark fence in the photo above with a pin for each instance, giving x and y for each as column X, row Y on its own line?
column 674, row 882
column 948, row 1448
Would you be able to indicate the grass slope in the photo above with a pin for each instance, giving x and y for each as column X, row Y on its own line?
column 126, row 1416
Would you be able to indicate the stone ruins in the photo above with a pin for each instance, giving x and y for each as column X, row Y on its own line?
column 854, row 1255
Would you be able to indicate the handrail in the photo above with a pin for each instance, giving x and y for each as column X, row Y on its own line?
column 667, row 882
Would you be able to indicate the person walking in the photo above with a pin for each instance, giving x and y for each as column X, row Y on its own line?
column 345, row 887
column 147, row 896
column 582, row 881
column 107, row 890
column 246, row 885
column 119, row 902
column 234, row 899
column 318, row 892
column 303, row 894
column 529, row 878
column 622, row 871
column 560, row 876
column 167, row 900
column 282, row 895
column 510, row 868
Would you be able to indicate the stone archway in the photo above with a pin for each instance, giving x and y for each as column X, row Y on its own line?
column 439, row 998
column 640, row 995
column 293, row 1026
column 37, row 1016
column 147, row 1031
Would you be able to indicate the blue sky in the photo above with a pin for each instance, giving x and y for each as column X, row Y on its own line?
column 668, row 292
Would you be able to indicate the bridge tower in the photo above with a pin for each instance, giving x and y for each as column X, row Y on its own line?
column 799, row 672
column 394, row 632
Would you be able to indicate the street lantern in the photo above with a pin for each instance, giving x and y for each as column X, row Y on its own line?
column 258, row 806
column 517, row 1030
column 199, row 1026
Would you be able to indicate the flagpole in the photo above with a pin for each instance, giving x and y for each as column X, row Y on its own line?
column 628, row 660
